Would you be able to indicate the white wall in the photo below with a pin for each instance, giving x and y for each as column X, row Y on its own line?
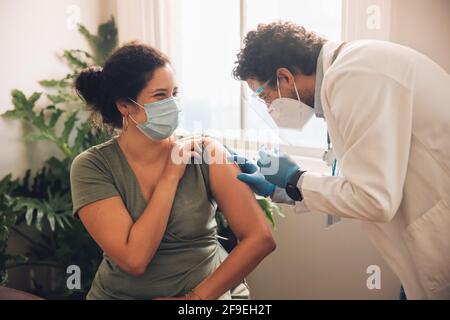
column 425, row 26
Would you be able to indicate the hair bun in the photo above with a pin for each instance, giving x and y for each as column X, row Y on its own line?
column 88, row 84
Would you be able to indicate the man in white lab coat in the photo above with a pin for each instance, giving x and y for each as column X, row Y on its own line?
column 387, row 108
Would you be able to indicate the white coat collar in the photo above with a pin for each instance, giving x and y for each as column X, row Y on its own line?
column 323, row 64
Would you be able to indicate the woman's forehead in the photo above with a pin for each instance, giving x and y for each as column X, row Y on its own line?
column 163, row 78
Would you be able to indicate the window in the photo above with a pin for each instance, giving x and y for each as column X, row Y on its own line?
column 206, row 37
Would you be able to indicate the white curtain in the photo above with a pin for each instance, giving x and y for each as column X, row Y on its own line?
column 147, row 21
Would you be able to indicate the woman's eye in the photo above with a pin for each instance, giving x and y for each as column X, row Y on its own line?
column 175, row 94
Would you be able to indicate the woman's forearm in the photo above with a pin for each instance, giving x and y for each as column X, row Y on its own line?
column 146, row 233
column 241, row 261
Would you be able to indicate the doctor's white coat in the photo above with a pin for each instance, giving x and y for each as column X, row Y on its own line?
column 387, row 108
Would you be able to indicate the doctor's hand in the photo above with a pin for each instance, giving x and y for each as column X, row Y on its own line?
column 277, row 167
column 252, row 176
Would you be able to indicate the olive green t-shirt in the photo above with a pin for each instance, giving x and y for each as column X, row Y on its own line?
column 189, row 250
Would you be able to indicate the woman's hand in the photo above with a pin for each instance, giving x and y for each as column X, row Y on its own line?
column 213, row 151
column 182, row 153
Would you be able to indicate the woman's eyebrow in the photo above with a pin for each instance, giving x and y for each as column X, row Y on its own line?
column 160, row 89
column 163, row 90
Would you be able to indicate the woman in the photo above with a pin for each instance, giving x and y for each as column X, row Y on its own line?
column 152, row 216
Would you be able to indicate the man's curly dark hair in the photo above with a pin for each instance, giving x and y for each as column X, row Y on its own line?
column 277, row 45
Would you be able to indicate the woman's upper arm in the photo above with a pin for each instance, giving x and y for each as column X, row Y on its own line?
column 109, row 223
column 235, row 198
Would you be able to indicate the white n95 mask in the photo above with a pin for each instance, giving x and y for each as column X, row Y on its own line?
column 290, row 113
column 162, row 118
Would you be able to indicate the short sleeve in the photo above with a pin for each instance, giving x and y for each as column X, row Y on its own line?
column 91, row 180
column 204, row 168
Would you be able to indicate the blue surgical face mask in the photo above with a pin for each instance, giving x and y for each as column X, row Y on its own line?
column 162, row 118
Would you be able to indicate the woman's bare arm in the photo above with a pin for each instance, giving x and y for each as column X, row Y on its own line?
column 248, row 223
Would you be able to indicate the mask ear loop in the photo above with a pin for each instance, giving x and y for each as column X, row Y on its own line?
column 278, row 86
column 129, row 115
column 271, row 109
column 135, row 122
column 136, row 103
column 296, row 92
column 295, row 87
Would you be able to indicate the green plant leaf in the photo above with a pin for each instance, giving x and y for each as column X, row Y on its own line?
column 73, row 58
column 39, row 120
column 51, row 221
column 39, row 216
column 54, row 117
column 56, row 98
column 10, row 114
column 60, row 222
column 5, row 183
column 33, row 98
column 29, row 216
column 269, row 208
column 55, row 83
column 104, row 42
column 19, row 100
column 82, row 133
column 277, row 209
column 66, row 221
column 31, row 137
column 69, row 125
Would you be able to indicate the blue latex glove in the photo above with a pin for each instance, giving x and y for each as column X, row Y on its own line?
column 277, row 167
column 252, row 176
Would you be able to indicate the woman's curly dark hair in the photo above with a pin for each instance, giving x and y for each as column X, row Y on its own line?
column 126, row 72
column 277, row 45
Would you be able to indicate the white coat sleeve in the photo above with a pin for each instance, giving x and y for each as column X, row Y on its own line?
column 373, row 114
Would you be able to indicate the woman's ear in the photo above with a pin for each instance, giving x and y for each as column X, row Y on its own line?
column 123, row 107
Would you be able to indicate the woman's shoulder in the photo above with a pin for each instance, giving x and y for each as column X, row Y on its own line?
column 98, row 155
